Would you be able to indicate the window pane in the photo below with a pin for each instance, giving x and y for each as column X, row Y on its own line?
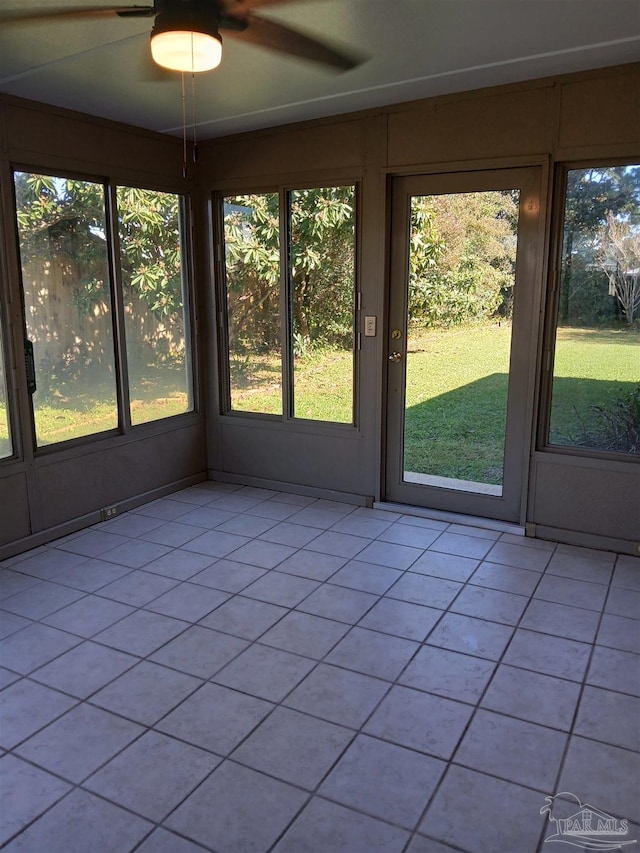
column 252, row 257
column 322, row 280
column 6, row 445
column 596, row 380
column 67, row 295
column 153, row 283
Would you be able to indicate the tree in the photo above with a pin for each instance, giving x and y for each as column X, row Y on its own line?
column 320, row 266
column 65, row 254
column 462, row 257
column 151, row 264
column 252, row 261
column 618, row 255
column 590, row 195
column 66, row 218
column 63, row 221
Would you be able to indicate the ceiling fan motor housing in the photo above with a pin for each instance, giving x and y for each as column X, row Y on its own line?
column 195, row 15
column 185, row 35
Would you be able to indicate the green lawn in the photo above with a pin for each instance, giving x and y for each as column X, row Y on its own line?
column 593, row 368
column 323, row 382
column 456, row 402
column 456, row 386
column 83, row 408
column 456, row 394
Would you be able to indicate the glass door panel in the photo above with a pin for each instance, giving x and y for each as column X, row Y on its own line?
column 462, row 289
column 462, row 254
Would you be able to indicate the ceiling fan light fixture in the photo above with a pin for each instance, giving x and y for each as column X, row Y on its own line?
column 191, row 46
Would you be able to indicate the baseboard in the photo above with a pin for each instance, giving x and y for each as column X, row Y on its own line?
column 585, row 540
column 451, row 517
column 292, row 488
column 42, row 537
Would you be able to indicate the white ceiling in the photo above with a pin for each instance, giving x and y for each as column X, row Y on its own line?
column 416, row 49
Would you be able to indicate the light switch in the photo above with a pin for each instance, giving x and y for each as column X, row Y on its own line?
column 370, row 327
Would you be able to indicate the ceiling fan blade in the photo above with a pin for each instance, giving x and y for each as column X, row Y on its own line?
column 244, row 7
column 16, row 17
column 269, row 34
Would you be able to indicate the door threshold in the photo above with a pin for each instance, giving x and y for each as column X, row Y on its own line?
column 452, row 483
column 452, row 517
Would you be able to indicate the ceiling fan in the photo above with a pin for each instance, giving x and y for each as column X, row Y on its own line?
column 186, row 33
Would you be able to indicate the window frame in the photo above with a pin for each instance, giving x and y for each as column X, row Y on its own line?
column 221, row 307
column 286, row 417
column 124, row 428
column 6, row 356
column 187, row 290
column 552, row 307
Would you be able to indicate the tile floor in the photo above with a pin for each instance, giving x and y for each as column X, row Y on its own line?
column 237, row 670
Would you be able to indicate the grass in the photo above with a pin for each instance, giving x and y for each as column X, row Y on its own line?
column 323, row 382
column 592, row 368
column 55, row 422
column 456, row 395
column 456, row 402
column 5, row 444
column 79, row 407
column 457, row 385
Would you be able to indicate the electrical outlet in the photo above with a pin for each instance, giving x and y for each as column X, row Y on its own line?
column 108, row 512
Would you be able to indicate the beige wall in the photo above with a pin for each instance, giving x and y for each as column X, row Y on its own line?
column 591, row 116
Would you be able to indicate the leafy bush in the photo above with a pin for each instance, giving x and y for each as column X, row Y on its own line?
column 462, row 257
column 617, row 427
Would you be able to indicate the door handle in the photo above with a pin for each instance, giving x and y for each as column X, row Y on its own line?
column 30, row 366
column 395, row 356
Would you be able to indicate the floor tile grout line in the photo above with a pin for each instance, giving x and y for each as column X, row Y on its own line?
column 41, row 814
column 360, row 731
column 352, row 625
column 583, row 685
column 451, row 759
column 281, row 704
column 81, row 784
column 92, row 639
column 229, row 756
column 142, row 606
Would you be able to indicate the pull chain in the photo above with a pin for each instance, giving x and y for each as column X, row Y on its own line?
column 193, row 117
column 184, row 128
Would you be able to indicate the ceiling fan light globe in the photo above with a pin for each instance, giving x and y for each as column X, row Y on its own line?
column 186, row 50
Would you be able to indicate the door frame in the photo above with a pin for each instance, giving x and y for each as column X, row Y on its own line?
column 530, row 178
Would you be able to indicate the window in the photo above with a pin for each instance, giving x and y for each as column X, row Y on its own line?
column 252, row 264
column 595, row 400
column 154, row 290
column 68, row 305
column 322, row 281
column 298, row 325
column 71, row 305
